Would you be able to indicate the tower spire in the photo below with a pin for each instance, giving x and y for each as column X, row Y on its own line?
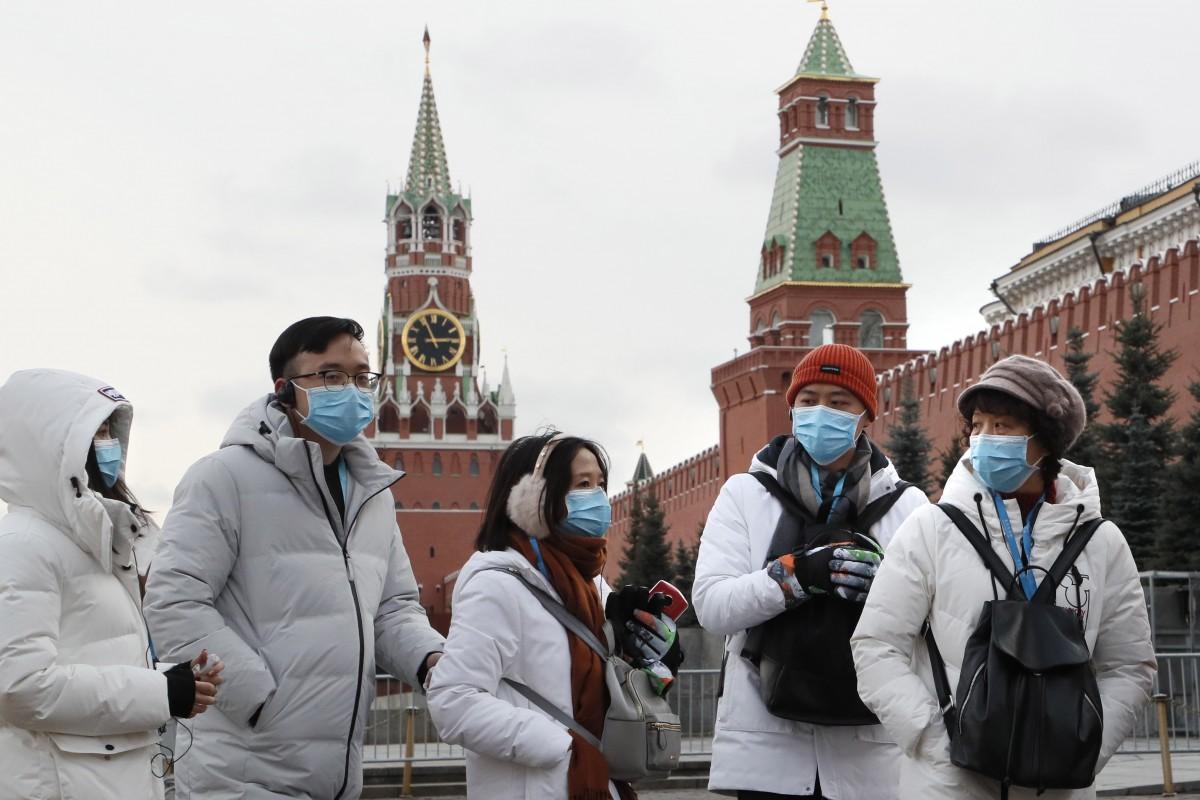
column 426, row 40
column 428, row 172
column 825, row 57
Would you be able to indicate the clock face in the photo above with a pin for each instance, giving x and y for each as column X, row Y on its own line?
column 434, row 340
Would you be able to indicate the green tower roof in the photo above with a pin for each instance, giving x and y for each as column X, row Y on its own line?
column 828, row 196
column 428, row 172
column 825, row 56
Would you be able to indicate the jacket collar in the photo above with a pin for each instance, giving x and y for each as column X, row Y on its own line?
column 1078, row 500
column 264, row 427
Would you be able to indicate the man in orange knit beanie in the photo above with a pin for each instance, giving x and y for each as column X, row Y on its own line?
column 787, row 558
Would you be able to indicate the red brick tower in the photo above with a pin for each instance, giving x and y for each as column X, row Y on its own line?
column 438, row 420
column 828, row 269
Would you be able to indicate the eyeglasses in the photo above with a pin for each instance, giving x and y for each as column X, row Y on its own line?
column 335, row 380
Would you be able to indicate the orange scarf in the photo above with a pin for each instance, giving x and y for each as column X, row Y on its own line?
column 573, row 563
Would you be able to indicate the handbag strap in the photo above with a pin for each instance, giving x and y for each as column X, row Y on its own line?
column 554, row 711
column 978, row 541
column 785, row 499
column 575, row 626
column 557, row 610
column 878, row 508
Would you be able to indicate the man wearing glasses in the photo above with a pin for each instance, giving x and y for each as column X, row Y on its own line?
column 281, row 556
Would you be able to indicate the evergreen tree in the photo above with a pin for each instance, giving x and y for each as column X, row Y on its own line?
column 1139, row 476
column 629, row 558
column 908, row 446
column 1086, row 450
column 1178, row 538
column 647, row 556
column 1140, row 439
column 684, row 577
column 950, row 457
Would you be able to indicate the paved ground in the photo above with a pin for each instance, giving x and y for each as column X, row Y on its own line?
column 1125, row 775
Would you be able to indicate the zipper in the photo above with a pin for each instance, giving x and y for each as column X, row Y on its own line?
column 1095, row 710
column 967, row 699
column 345, row 545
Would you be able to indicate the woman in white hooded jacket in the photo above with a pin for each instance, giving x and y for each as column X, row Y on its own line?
column 1021, row 417
column 81, row 703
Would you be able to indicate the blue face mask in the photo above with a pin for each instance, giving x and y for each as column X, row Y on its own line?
column 109, row 457
column 588, row 512
column 1000, row 461
column 339, row 416
column 824, row 433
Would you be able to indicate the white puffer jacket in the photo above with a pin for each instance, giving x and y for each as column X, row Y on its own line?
column 515, row 751
column 932, row 572
column 80, row 704
column 753, row 749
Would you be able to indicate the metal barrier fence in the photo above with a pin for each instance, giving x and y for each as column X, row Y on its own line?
column 1179, row 680
column 695, row 700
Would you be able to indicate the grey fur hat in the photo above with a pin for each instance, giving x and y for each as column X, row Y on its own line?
column 1041, row 386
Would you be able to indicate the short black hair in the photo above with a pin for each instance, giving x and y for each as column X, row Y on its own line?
column 311, row 335
column 993, row 401
column 517, row 462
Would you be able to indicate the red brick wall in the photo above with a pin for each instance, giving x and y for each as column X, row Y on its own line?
column 687, row 492
column 1172, row 300
column 440, row 541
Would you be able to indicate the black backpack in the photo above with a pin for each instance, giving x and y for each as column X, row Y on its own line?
column 1028, row 707
column 805, row 668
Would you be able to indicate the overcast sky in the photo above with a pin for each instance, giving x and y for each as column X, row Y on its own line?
column 180, row 182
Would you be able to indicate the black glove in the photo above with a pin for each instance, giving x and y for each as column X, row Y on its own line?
column 181, row 689
column 634, row 638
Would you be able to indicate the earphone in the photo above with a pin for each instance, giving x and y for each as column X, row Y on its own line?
column 287, row 396
column 525, row 500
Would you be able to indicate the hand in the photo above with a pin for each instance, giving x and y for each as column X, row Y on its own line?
column 208, row 679
column 852, row 571
column 650, row 637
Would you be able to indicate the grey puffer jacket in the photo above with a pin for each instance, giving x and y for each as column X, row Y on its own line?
column 257, row 567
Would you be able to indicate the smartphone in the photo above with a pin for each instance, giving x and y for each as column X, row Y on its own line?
column 678, row 604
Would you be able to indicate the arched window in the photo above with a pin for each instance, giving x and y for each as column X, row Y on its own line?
column 776, row 320
column 456, row 419
column 431, row 223
column 436, row 506
column 759, row 325
column 870, row 331
column 399, row 506
column 852, row 114
column 822, row 112
column 488, row 421
column 473, row 468
column 419, row 421
column 404, row 229
column 437, row 464
column 458, row 229
column 389, row 419
column 474, row 506
column 820, row 327
column 399, row 462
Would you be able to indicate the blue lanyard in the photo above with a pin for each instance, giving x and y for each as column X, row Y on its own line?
column 541, row 562
column 1020, row 556
column 344, row 478
column 815, row 474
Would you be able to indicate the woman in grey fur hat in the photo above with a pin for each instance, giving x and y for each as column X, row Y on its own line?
column 1016, row 488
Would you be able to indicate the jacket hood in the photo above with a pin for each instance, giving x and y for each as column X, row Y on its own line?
column 1077, row 495
column 48, row 419
column 264, row 427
